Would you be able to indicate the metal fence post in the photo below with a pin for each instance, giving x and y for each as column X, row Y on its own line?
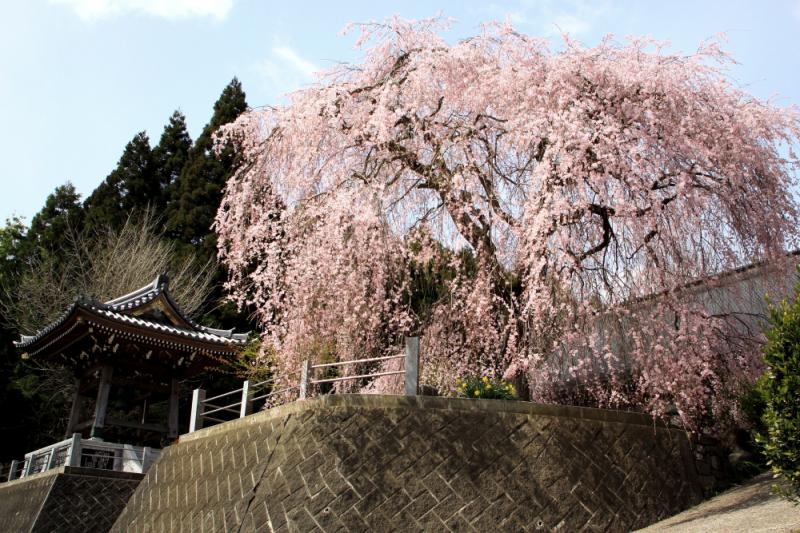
column 30, row 461
column 305, row 374
column 74, row 453
column 12, row 472
column 50, row 458
column 247, row 398
column 196, row 419
column 412, row 366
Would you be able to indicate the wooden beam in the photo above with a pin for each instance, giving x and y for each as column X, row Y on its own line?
column 158, row 428
column 89, row 371
column 143, row 384
column 83, row 425
column 101, row 406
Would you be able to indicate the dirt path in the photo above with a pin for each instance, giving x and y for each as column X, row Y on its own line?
column 748, row 508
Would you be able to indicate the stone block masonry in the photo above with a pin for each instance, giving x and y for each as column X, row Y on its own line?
column 380, row 463
column 65, row 499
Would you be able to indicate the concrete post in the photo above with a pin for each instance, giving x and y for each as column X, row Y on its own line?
column 145, row 459
column 412, row 366
column 74, row 453
column 247, row 399
column 305, row 375
column 196, row 419
column 12, row 472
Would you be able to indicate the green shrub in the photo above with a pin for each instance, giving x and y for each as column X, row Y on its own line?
column 747, row 459
column 484, row 387
column 780, row 387
column 752, row 404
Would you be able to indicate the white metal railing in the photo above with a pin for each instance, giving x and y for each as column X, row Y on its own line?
column 410, row 370
column 247, row 394
column 85, row 453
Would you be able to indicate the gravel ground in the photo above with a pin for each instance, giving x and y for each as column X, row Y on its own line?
column 750, row 507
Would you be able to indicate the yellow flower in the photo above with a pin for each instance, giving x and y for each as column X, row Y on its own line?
column 485, row 379
column 488, row 386
column 477, row 392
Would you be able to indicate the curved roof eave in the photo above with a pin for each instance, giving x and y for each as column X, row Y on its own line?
column 115, row 310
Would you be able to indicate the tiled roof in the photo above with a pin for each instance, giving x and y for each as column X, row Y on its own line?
column 115, row 310
column 203, row 334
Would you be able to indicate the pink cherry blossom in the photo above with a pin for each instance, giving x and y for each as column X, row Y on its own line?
column 591, row 184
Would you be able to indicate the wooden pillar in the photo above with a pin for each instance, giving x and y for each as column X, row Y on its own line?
column 172, row 414
column 75, row 412
column 101, row 406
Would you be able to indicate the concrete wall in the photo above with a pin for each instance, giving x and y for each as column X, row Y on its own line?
column 65, row 499
column 382, row 463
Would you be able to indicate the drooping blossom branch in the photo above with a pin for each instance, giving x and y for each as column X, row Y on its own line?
column 580, row 180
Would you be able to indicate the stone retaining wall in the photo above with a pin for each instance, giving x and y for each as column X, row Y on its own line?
column 65, row 499
column 380, row 463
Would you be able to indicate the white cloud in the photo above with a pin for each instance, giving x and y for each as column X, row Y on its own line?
column 169, row 9
column 285, row 70
column 516, row 17
column 292, row 59
column 552, row 17
column 570, row 24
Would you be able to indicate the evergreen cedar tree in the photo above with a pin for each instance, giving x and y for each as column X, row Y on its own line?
column 198, row 190
column 176, row 179
column 61, row 213
column 587, row 186
column 180, row 181
column 129, row 186
column 144, row 177
column 169, row 158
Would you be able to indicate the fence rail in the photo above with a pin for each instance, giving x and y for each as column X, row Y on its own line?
column 248, row 393
column 85, row 453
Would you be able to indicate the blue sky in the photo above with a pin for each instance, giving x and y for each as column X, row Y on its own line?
column 78, row 78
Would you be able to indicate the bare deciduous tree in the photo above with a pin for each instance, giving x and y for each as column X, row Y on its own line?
column 103, row 266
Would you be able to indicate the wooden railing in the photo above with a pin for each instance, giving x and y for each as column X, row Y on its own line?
column 202, row 408
column 85, row 453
